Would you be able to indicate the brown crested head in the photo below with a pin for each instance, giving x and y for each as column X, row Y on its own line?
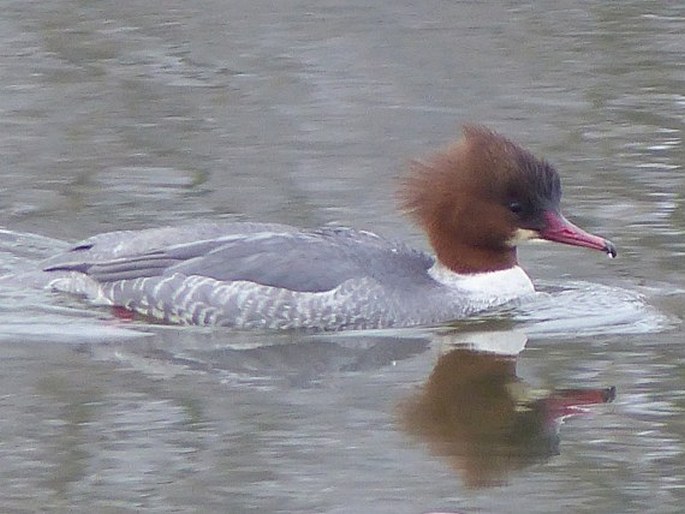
column 481, row 196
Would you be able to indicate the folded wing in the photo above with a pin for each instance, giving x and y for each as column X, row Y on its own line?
column 267, row 254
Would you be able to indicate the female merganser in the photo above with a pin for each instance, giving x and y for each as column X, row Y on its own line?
column 476, row 200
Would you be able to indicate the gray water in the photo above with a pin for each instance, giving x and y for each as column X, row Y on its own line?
column 139, row 114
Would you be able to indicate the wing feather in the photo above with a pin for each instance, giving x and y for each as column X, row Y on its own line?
column 271, row 255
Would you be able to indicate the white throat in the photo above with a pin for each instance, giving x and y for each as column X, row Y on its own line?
column 499, row 286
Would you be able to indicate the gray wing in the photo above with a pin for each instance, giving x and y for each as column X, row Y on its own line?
column 271, row 255
column 130, row 243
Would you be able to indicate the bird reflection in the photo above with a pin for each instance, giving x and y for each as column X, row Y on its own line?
column 486, row 421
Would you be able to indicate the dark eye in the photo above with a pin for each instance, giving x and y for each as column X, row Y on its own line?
column 516, row 207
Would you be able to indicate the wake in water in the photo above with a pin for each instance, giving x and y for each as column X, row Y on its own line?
column 572, row 308
column 578, row 308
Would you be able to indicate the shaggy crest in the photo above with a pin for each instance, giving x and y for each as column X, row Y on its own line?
column 433, row 185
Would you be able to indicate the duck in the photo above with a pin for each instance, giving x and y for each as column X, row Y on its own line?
column 477, row 200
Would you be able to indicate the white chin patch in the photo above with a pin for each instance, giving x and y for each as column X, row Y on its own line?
column 522, row 235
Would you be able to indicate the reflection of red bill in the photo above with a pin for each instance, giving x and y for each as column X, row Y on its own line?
column 565, row 402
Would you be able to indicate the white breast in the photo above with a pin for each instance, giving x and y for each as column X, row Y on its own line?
column 493, row 287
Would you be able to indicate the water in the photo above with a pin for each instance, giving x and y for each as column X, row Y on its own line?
column 135, row 115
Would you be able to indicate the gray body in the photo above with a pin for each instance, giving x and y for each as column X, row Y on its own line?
column 253, row 275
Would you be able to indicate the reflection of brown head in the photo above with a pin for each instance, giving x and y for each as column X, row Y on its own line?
column 472, row 411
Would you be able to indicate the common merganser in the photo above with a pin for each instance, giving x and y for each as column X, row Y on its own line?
column 477, row 200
